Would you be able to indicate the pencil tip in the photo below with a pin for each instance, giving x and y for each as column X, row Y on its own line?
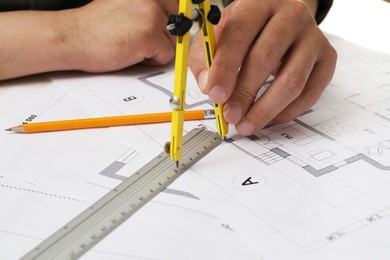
column 177, row 164
column 8, row 129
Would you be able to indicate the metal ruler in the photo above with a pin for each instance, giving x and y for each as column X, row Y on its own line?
column 96, row 222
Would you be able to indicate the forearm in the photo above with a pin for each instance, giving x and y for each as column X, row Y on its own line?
column 34, row 42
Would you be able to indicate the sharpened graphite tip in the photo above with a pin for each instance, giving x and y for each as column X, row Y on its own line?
column 177, row 164
column 8, row 129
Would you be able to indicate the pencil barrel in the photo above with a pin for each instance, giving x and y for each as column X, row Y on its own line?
column 109, row 121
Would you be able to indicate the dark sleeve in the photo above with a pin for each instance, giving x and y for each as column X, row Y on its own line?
column 14, row 5
column 322, row 10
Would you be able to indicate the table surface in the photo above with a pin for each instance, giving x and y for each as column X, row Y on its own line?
column 364, row 22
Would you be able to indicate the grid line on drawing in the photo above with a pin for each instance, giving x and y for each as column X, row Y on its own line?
column 269, row 157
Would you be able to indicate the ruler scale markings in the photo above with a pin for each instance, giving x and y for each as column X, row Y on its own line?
column 92, row 225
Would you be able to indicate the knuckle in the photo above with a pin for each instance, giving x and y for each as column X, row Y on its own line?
column 263, row 115
column 245, row 95
column 224, row 67
column 166, row 56
column 298, row 8
column 331, row 53
column 294, row 84
column 310, row 99
column 300, row 12
column 153, row 22
column 149, row 50
column 265, row 57
column 151, row 7
column 239, row 29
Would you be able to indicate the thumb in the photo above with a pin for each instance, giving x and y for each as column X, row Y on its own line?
column 197, row 62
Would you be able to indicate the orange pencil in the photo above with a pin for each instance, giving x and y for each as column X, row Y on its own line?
column 108, row 121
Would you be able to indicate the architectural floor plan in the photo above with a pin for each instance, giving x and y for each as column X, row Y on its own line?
column 317, row 187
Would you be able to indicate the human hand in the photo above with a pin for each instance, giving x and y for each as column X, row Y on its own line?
column 111, row 35
column 256, row 39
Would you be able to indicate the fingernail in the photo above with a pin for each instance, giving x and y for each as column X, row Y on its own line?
column 232, row 113
column 202, row 79
column 218, row 94
column 245, row 128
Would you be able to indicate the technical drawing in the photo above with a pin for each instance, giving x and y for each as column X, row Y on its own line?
column 193, row 99
column 113, row 171
column 314, row 185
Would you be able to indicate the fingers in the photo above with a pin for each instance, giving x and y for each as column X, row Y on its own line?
column 170, row 7
column 233, row 33
column 161, row 51
column 254, row 40
column 159, row 45
column 297, row 86
column 197, row 61
column 261, row 61
column 316, row 84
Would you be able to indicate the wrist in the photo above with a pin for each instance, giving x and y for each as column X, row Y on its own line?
column 35, row 42
column 81, row 46
column 68, row 41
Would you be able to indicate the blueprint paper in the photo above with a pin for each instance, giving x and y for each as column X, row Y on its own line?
column 314, row 188
column 317, row 187
column 15, row 93
column 46, row 179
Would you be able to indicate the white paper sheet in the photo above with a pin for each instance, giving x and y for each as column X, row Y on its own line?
column 314, row 188
column 317, row 187
column 46, row 179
